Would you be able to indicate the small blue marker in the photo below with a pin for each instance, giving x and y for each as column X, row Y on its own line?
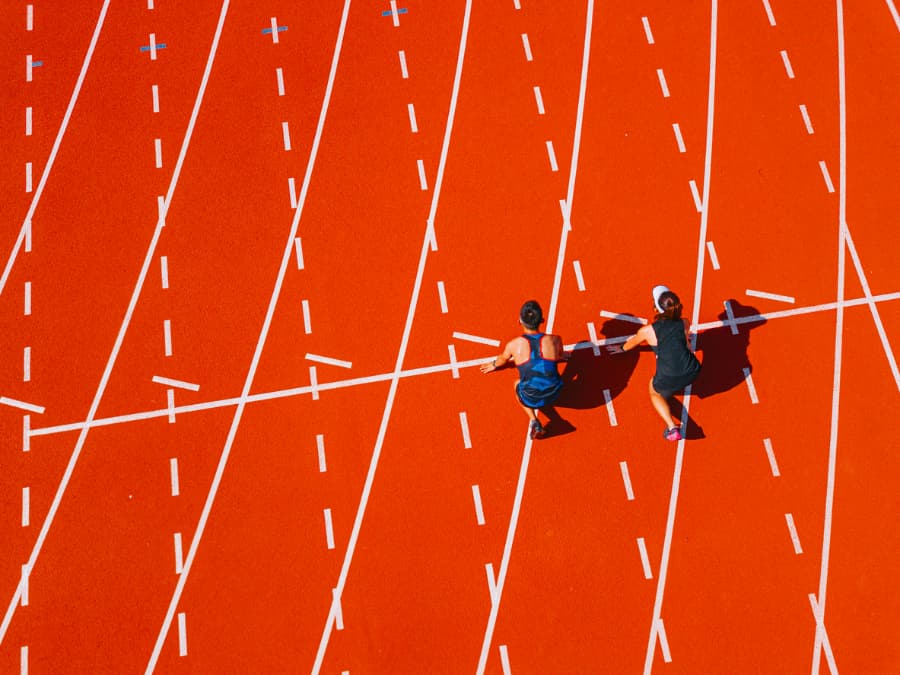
column 159, row 46
column 268, row 31
column 35, row 64
column 390, row 11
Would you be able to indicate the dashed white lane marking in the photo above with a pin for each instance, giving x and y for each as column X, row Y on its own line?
column 826, row 175
column 770, row 453
column 29, row 180
column 787, row 64
column 592, row 335
column 713, row 258
column 155, row 93
column 662, row 82
column 479, row 509
column 527, row 46
column 539, row 100
column 26, row 364
column 179, row 553
column 678, row 137
column 729, row 312
column 329, row 530
column 751, row 388
column 464, row 425
column 454, row 367
column 328, row 360
column 696, row 194
column 26, row 578
column 320, row 448
column 23, row 660
column 286, row 136
column 170, row 400
column 609, row 408
column 279, row 78
column 769, row 12
column 395, row 15
column 167, row 336
column 337, row 609
column 404, row 71
column 442, row 296
column 647, row 30
column 663, row 640
column 314, row 383
column 298, row 249
column 894, row 13
column 623, row 317
column 792, row 529
column 770, row 296
column 292, row 190
column 26, row 506
column 645, row 559
column 476, row 338
column 157, row 147
column 28, row 121
column 413, row 124
column 274, row 24
column 173, row 475
column 29, row 17
column 181, row 384
column 182, row 634
column 806, row 121
column 579, row 278
column 307, row 326
column 27, row 307
column 423, row 183
column 164, row 271
column 22, row 405
column 504, row 660
column 552, row 155
column 626, row 479
column 26, row 432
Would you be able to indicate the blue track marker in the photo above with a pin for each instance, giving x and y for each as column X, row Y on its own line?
column 162, row 45
column 390, row 11
column 268, row 31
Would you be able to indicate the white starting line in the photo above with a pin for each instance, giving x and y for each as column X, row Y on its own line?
column 179, row 384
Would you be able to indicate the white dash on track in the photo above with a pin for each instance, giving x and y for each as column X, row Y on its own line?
column 492, row 581
column 826, row 176
column 527, row 46
column 21, row 405
column 479, row 510
column 751, row 388
column 442, row 296
column 327, row 360
column 626, row 479
column 155, row 93
column 320, row 449
column 413, row 125
column 404, row 71
column 517, row 4
column 609, row 408
column 476, row 338
column 274, row 24
column 29, row 17
column 157, row 147
column 292, row 190
column 454, row 368
column 27, row 298
column 298, row 249
column 806, row 120
column 792, row 529
column 28, row 121
column 182, row 634
column 504, row 660
column 26, row 574
column 29, row 185
column 307, row 326
column 539, row 100
column 579, row 278
column 647, row 30
column 27, row 236
column 729, row 312
column 769, row 12
column 29, row 74
column 663, row 641
column 696, row 194
column 314, row 383
column 553, row 165
column 713, row 258
column 150, row 4
column 773, row 464
column 279, row 79
column 26, row 506
column 167, row 336
column 395, row 15
column 678, row 137
column 422, row 182
column 179, row 553
column 170, row 400
column 161, row 209
column 662, row 82
column 893, row 8
column 770, row 296
column 26, row 364
column 26, row 432
column 787, row 64
column 181, row 384
column 329, row 530
column 286, row 136
column 164, row 271
column 592, row 336
column 23, row 660
column 645, row 559
column 337, row 609
column 173, row 475
column 464, row 426
column 623, row 317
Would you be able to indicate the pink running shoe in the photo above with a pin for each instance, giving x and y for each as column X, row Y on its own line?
column 673, row 434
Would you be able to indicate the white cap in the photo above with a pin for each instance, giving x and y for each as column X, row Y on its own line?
column 657, row 292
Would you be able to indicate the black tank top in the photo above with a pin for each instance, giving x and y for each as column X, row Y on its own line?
column 673, row 358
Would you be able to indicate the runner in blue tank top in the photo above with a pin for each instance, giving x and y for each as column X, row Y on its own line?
column 535, row 354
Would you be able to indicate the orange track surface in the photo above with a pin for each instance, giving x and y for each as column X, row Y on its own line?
column 108, row 567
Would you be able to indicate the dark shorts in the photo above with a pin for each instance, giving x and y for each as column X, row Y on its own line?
column 531, row 398
column 667, row 386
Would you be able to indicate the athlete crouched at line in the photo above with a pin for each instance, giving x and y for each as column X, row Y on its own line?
column 676, row 365
column 535, row 354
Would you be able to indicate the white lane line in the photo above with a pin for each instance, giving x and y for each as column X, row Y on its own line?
column 155, row 94
column 161, row 210
column 623, row 317
column 328, row 360
column 329, row 530
column 517, row 4
column 286, row 136
column 787, row 64
column 579, row 278
column 320, row 450
column 21, row 405
column 26, row 506
column 337, row 610
column 314, row 383
column 28, row 178
column 894, row 14
column 822, row 634
column 150, row 4
column 27, row 303
column 307, row 326
column 769, row 296
column 29, row 68
column 29, row 17
column 279, row 79
column 153, row 46
column 167, row 336
column 769, row 12
column 527, row 46
column 298, row 250
column 170, row 399
column 663, row 640
column 25, row 579
column 492, row 581
column 731, row 321
column 662, row 82
column 479, row 510
column 826, row 175
column 678, row 137
column 27, row 237
column 28, row 121
column 442, row 296
column 423, row 183
column 645, row 559
column 23, row 657
column 181, row 384
column 806, row 120
column 179, row 555
column 713, row 258
column 157, row 148
column 182, row 634
column 164, row 271
column 475, row 338
column 26, row 432
column 564, row 211
column 274, row 24
column 748, row 378
column 592, row 336
column 552, row 155
column 26, row 364
column 451, row 350
column 770, row 453
column 795, row 539
column 539, row 100
column 395, row 15
column 404, row 71
column 695, row 192
column 292, row 191
column 504, row 660
column 173, row 475
column 647, row 30
column 464, row 425
column 610, row 411
column 413, row 125
column 626, row 479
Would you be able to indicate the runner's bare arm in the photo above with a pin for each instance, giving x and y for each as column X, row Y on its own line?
column 504, row 358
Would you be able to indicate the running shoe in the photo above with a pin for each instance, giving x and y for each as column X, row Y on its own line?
column 673, row 434
column 537, row 429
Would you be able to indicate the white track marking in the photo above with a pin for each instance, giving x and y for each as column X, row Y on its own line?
column 504, row 660
column 552, row 155
column 26, row 432
column 626, row 479
column 153, row 46
column 770, row 453
column 29, row 17
column 314, row 383
column 395, row 15
column 748, row 378
column 29, row 68
column 475, row 338
column 161, row 209
column 23, row 660
column 154, row 90
column 579, row 278
column 769, row 14
column 787, row 64
column 298, row 250
column 170, row 398
column 826, row 175
column 822, row 634
column 337, row 610
column 623, row 317
column 27, row 237
column 645, row 559
column 29, row 186
column 328, row 360
column 492, row 581
column 329, row 530
column 181, row 384
column 451, row 350
column 464, row 425
column 27, row 300
column 732, row 323
column 442, row 296
column 792, row 530
column 423, row 183
column 279, row 79
column 157, row 148
column 517, row 4
column 713, row 258
column 179, row 553
column 164, row 271
column 307, row 325
column 678, row 137
column 663, row 641
column 806, row 120
column 662, row 82
column 26, row 364
column 894, row 14
column 173, row 475
column 21, row 405
column 149, row 4
column 527, row 46
column 167, row 336
column 404, row 71
column 610, row 411
column 26, row 506
column 29, row 127
column 647, row 30
column 479, row 509
column 292, row 191
column 286, row 136
column 182, row 634
column 274, row 24
column 413, row 125
column 592, row 336
column 320, row 450
column 770, row 296
column 25, row 583
column 539, row 100
column 695, row 192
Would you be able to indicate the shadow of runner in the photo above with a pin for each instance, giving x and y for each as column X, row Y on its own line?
column 725, row 360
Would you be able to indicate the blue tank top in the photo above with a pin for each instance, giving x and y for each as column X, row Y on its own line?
column 539, row 377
